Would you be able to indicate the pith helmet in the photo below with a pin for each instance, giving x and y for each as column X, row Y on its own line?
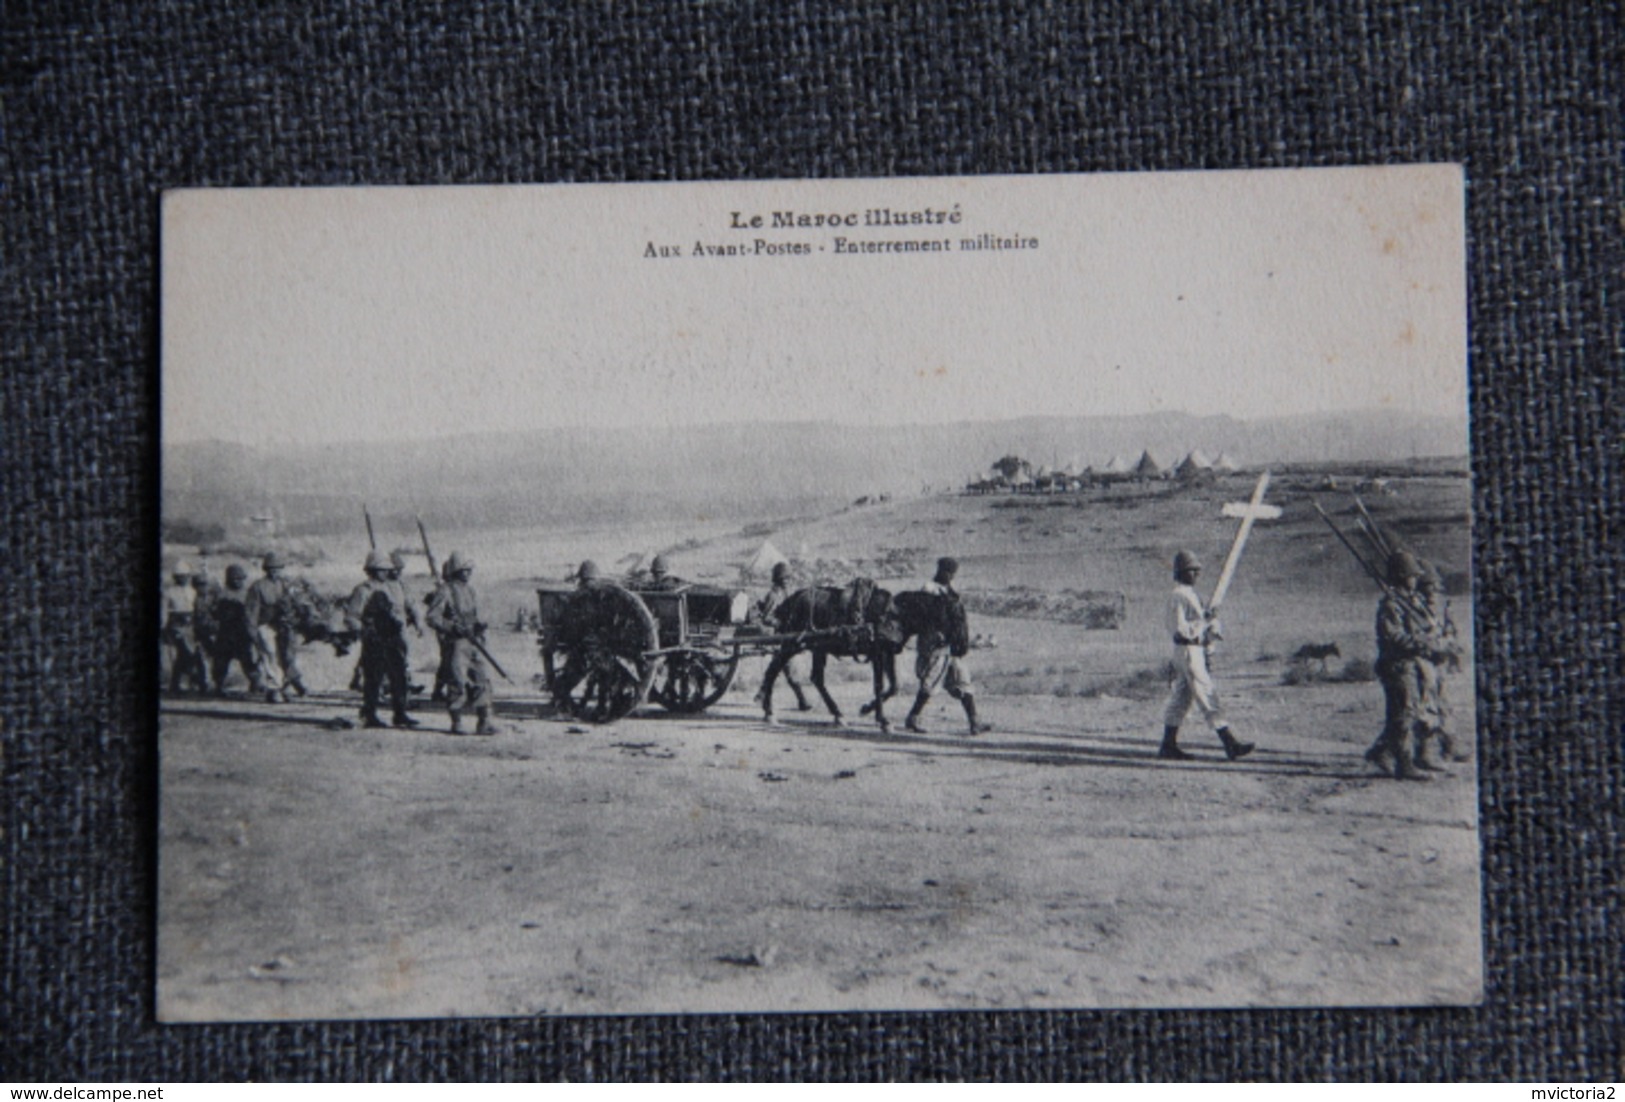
column 588, row 570
column 781, row 571
column 1431, row 578
column 377, row 560
column 458, row 564
column 182, row 570
column 397, row 561
column 947, row 566
column 1402, row 567
column 660, row 565
column 235, row 574
column 274, row 561
column 1186, row 560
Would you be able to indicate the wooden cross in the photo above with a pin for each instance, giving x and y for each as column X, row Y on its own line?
column 1248, row 512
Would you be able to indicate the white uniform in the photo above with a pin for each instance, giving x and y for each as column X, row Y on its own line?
column 1187, row 625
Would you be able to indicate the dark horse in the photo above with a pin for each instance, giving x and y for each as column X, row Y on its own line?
column 859, row 621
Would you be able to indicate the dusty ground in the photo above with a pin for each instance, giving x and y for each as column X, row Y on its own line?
column 711, row 863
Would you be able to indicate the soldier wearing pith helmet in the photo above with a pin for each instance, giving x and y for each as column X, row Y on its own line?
column 454, row 614
column 1193, row 630
column 381, row 611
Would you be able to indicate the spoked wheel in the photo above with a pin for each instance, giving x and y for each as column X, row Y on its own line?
column 595, row 661
column 691, row 681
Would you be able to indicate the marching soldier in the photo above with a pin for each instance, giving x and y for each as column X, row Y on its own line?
column 233, row 636
column 1193, row 629
column 454, row 614
column 381, row 611
column 1406, row 640
column 180, row 648
column 442, row 673
column 767, row 610
column 940, row 656
column 1435, row 710
column 204, row 625
column 271, row 613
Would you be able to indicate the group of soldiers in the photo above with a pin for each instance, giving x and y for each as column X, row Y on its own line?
column 1417, row 646
column 207, row 627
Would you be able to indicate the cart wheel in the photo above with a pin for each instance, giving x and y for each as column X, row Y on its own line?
column 595, row 660
column 691, row 681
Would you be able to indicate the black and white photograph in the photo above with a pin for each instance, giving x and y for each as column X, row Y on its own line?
column 822, row 595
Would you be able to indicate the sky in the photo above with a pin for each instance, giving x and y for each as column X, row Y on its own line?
column 320, row 315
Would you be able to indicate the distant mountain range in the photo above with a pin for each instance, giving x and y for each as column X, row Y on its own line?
column 747, row 470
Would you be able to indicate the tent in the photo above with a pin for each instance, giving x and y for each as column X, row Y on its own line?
column 1118, row 465
column 1193, row 464
column 1226, row 463
column 766, row 558
column 1147, row 467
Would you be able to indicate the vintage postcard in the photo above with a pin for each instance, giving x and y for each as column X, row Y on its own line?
column 1017, row 592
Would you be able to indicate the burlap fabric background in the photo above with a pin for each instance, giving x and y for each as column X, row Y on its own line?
column 104, row 108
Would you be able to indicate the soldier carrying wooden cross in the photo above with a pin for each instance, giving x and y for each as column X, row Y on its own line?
column 1194, row 627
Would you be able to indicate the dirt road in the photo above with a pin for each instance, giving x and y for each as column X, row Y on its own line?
column 665, row 864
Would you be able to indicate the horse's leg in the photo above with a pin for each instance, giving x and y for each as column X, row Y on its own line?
column 820, row 658
column 878, row 662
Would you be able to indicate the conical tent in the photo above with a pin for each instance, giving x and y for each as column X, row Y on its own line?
column 766, row 558
column 1193, row 464
column 1147, row 467
column 1118, row 465
column 1226, row 462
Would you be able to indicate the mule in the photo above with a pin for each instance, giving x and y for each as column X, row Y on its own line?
column 831, row 621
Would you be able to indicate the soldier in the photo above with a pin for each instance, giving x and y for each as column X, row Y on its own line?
column 180, row 649
column 442, row 673
column 234, row 637
column 271, row 612
column 454, row 614
column 661, row 577
column 204, row 627
column 1405, row 639
column 1435, row 711
column 381, row 611
column 941, row 652
column 767, row 615
column 1193, row 630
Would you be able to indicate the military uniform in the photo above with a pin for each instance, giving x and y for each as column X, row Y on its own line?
column 233, row 635
column 454, row 614
column 939, row 657
column 1436, row 710
column 1406, row 643
column 270, row 606
column 183, row 660
column 381, row 611
column 1191, row 629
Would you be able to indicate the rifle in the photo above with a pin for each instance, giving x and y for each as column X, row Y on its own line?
column 372, row 540
column 423, row 534
column 1371, row 571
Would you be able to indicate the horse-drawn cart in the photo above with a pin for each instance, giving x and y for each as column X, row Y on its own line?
column 607, row 648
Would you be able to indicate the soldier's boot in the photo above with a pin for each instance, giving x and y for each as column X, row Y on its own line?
column 355, row 679
column 801, row 699
column 913, row 721
column 456, row 722
column 1234, row 748
column 1424, row 760
column 299, row 688
column 484, row 725
column 402, row 720
column 976, row 726
column 1169, row 750
column 370, row 719
column 1405, row 769
column 275, row 696
column 1447, row 748
column 1381, row 756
